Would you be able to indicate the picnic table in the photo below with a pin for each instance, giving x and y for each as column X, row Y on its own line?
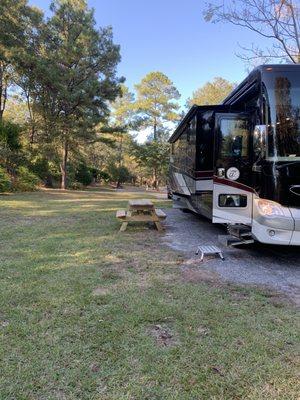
column 141, row 210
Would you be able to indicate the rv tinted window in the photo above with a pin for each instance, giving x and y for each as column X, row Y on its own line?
column 232, row 200
column 283, row 115
column 205, row 143
column 191, row 146
column 235, row 137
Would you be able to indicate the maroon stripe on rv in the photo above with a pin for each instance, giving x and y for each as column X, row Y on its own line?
column 204, row 174
column 234, row 184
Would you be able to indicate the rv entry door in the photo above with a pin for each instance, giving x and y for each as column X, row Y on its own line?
column 232, row 192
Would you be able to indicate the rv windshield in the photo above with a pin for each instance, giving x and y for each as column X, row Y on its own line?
column 282, row 100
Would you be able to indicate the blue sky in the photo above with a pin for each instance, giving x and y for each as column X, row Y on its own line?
column 171, row 36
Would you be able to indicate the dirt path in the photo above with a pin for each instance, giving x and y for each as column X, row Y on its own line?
column 277, row 267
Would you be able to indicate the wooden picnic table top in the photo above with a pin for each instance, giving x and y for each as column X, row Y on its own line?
column 141, row 204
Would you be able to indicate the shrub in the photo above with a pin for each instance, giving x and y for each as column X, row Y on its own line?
column 83, row 174
column 5, row 182
column 25, row 180
column 40, row 167
column 10, row 135
column 47, row 171
column 119, row 174
column 76, row 185
column 103, row 176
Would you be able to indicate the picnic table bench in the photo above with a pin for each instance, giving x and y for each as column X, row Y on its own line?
column 141, row 210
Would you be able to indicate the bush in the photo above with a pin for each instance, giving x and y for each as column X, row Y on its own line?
column 10, row 135
column 47, row 171
column 83, row 174
column 76, row 185
column 119, row 174
column 40, row 167
column 25, row 181
column 103, row 176
column 5, row 182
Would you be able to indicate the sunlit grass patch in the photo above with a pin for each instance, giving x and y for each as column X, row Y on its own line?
column 89, row 313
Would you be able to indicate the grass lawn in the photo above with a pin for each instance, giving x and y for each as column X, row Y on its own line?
column 88, row 313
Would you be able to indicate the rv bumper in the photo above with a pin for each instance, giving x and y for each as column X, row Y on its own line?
column 270, row 234
column 295, row 241
column 277, row 229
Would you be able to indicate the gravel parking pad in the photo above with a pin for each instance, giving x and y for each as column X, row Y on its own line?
column 277, row 267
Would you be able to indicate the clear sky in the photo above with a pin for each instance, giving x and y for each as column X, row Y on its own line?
column 170, row 36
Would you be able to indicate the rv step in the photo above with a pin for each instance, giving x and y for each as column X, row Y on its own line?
column 241, row 242
column 238, row 227
column 232, row 241
column 245, row 234
column 239, row 230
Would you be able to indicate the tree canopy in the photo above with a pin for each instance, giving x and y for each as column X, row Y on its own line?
column 157, row 101
column 211, row 93
column 18, row 24
column 157, row 106
column 67, row 71
column 65, row 114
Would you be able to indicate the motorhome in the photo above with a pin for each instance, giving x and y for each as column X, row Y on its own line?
column 238, row 163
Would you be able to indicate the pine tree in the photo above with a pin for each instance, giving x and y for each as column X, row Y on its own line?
column 123, row 118
column 156, row 101
column 74, row 73
column 211, row 93
column 156, row 104
column 18, row 21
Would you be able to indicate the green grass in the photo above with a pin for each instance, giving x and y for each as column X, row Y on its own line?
column 83, row 311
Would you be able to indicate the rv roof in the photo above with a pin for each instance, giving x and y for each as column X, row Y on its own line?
column 229, row 100
column 253, row 74
column 190, row 115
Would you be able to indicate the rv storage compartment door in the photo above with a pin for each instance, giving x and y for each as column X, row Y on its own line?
column 232, row 193
column 231, row 205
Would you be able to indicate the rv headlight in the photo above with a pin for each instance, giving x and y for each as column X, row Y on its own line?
column 267, row 207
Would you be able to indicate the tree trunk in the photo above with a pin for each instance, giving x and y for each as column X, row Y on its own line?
column 154, row 182
column 3, row 90
column 31, row 118
column 155, row 130
column 120, row 159
column 63, row 166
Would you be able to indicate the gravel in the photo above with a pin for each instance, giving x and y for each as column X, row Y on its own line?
column 277, row 267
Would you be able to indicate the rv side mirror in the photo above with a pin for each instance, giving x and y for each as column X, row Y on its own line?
column 259, row 140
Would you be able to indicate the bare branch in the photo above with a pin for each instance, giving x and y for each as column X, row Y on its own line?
column 276, row 20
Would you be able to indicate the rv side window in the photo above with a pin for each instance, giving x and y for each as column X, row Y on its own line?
column 235, row 137
column 188, row 133
column 205, row 143
column 191, row 146
column 232, row 200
